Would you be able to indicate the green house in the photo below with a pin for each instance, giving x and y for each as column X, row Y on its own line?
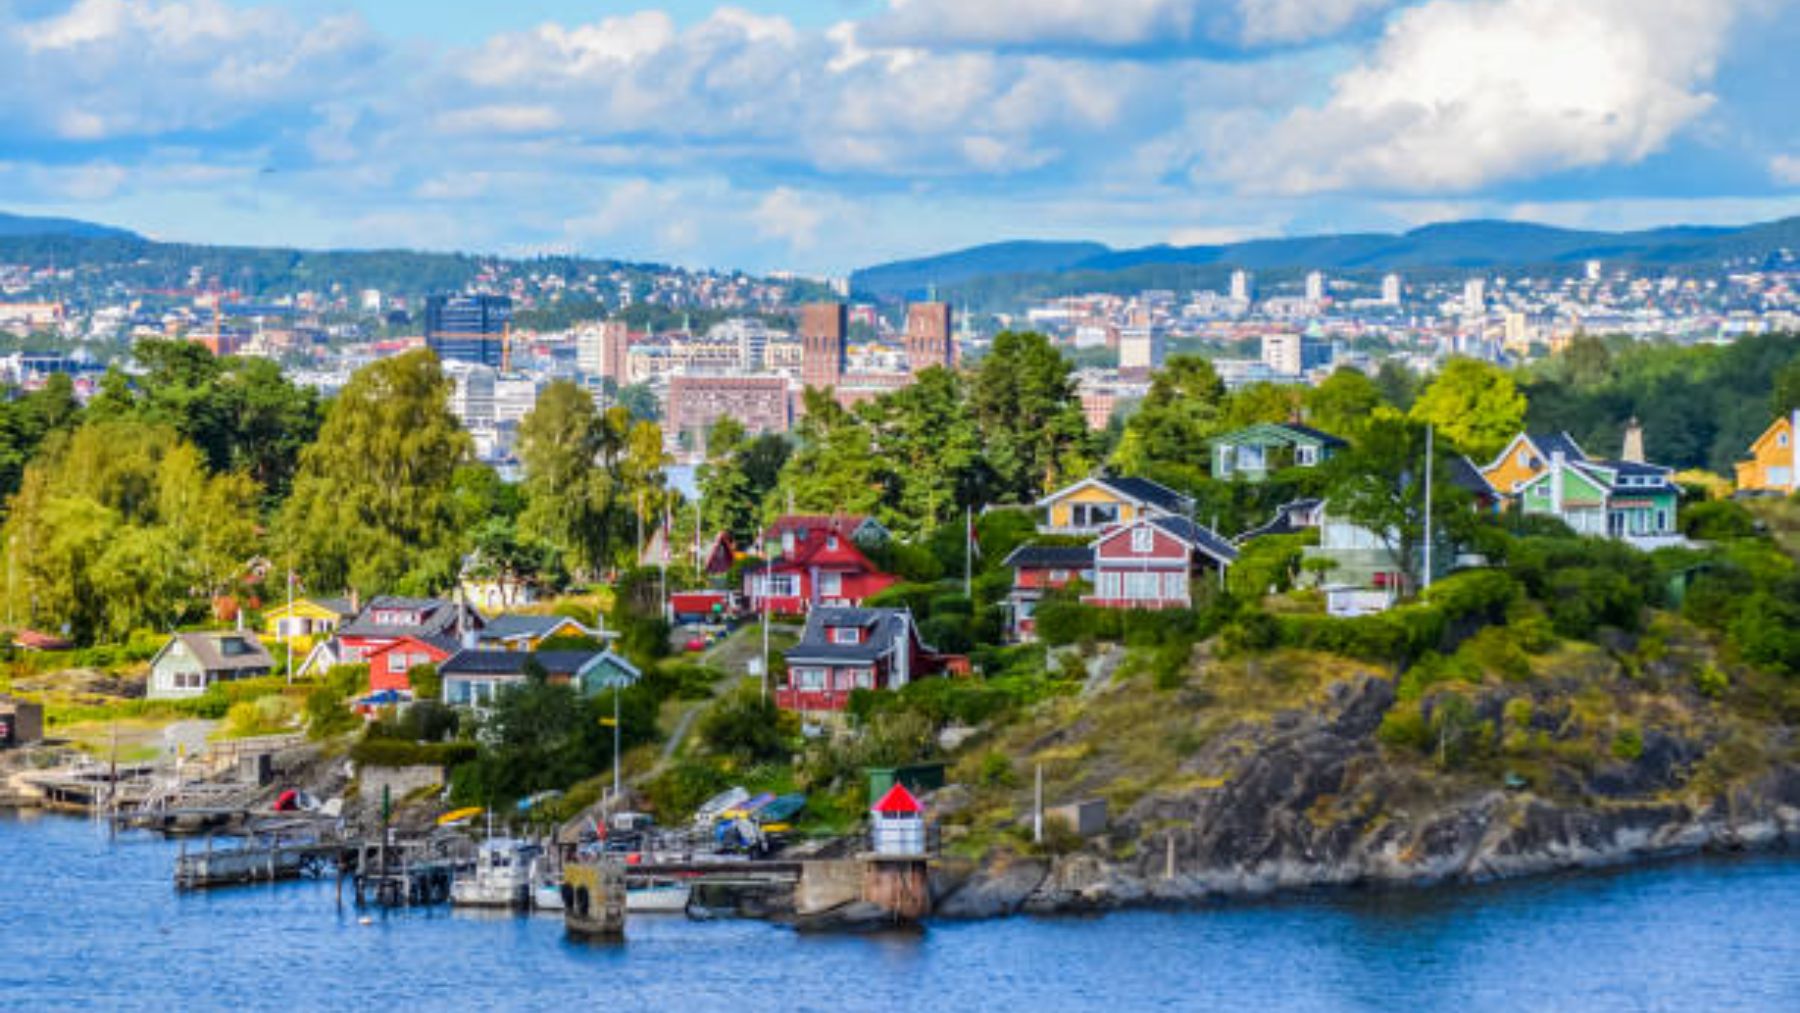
column 1254, row 452
column 1625, row 500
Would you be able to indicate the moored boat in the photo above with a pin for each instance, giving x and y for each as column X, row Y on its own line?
column 658, row 896
column 501, row 877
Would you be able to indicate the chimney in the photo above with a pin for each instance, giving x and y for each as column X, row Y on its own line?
column 355, row 603
column 1556, row 481
column 1634, row 443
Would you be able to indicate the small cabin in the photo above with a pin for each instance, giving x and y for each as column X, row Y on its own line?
column 190, row 663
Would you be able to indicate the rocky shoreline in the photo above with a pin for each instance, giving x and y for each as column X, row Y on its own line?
column 1307, row 802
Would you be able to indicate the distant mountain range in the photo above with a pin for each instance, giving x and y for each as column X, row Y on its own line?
column 24, row 225
column 1472, row 245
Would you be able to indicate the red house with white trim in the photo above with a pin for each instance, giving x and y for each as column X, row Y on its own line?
column 1148, row 564
column 817, row 562
column 846, row 649
column 389, row 664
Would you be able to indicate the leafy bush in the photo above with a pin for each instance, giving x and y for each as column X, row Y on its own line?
column 1628, row 744
column 268, row 715
column 1767, row 632
column 1717, row 521
column 1711, row 683
column 1403, row 727
column 675, row 793
column 376, row 752
column 425, row 682
column 748, row 727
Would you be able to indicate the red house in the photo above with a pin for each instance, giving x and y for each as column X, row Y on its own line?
column 847, row 649
column 814, row 562
column 1039, row 569
column 392, row 634
column 1148, row 564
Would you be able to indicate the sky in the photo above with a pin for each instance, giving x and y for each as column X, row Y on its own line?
column 827, row 135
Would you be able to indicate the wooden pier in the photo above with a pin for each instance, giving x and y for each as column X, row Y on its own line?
column 252, row 862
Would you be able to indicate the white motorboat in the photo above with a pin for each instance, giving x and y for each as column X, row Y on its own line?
column 501, row 878
column 657, row 897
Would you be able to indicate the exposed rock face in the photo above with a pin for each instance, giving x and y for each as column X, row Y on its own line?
column 1307, row 800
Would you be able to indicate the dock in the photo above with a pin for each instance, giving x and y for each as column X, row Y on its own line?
column 253, row 862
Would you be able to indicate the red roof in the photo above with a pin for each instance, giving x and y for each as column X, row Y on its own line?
column 898, row 800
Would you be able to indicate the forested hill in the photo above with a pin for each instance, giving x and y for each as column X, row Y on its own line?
column 1030, row 266
column 24, row 225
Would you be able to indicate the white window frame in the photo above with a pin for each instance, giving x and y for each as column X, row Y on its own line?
column 845, row 635
column 1142, row 585
column 1143, row 540
column 1306, row 455
column 831, row 585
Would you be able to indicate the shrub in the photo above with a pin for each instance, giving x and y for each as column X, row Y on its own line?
column 1717, row 521
column 675, row 793
column 1711, row 683
column 1404, row 727
column 268, row 715
column 997, row 771
column 378, row 752
column 425, row 682
column 1628, row 744
column 748, row 727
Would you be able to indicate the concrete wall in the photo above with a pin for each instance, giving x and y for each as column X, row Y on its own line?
column 400, row 781
column 827, row 885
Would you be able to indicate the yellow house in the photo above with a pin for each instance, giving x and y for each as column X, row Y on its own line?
column 1774, row 462
column 1527, row 457
column 306, row 620
column 1097, row 504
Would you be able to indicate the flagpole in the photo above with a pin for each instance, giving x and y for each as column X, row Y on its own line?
column 969, row 552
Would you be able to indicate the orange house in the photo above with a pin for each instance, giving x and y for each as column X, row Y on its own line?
column 1774, row 461
column 1527, row 457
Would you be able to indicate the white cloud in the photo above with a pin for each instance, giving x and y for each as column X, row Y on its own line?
column 1115, row 24
column 1785, row 169
column 791, row 216
column 1462, row 93
column 500, row 119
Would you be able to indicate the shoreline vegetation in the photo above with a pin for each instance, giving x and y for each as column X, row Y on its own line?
column 1569, row 701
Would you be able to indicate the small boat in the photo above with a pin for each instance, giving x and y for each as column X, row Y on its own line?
column 459, row 817
column 546, row 885
column 658, row 896
column 501, row 878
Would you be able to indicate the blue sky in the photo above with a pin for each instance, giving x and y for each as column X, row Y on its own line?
column 827, row 135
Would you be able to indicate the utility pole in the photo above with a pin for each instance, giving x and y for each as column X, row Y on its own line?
column 615, row 744
column 1037, row 809
column 969, row 553
column 1428, row 441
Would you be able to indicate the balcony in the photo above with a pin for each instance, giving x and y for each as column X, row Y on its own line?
column 812, row 700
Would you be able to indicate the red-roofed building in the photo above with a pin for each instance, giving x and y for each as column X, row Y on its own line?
column 897, row 800
column 817, row 561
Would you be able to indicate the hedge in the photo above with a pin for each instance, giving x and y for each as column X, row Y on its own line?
column 399, row 753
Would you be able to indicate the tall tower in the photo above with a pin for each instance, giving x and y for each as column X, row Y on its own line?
column 615, row 348
column 824, row 328
column 929, row 340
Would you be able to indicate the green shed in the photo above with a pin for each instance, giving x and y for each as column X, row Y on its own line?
column 918, row 778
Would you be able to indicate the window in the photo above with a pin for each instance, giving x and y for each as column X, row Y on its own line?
column 831, row 585
column 1781, row 439
column 810, row 679
column 1662, row 520
column 1109, row 585
column 865, row 678
column 1143, row 586
column 1094, row 515
column 1143, row 539
column 1175, row 586
column 831, row 541
column 1306, row 455
column 780, row 585
column 846, row 635
column 1059, row 576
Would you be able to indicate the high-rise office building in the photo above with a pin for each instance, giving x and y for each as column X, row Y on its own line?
column 824, row 335
column 602, row 349
column 1243, row 287
column 929, row 336
column 1315, row 287
column 1474, row 301
column 468, row 328
column 1390, row 289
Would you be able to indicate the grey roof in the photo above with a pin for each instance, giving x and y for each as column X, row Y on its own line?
column 1464, row 474
column 1058, row 557
column 440, row 617
column 509, row 625
column 889, row 626
column 1198, row 535
column 1283, row 521
column 492, row 662
column 1146, row 491
column 1290, row 430
column 1551, row 444
column 225, row 652
column 339, row 606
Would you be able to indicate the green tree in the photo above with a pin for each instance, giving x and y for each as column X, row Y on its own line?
column 1378, row 485
column 1344, row 403
column 1029, row 415
column 726, row 501
column 1184, row 409
column 567, row 492
column 372, row 501
column 1475, row 406
column 927, row 436
column 836, row 468
column 1399, row 385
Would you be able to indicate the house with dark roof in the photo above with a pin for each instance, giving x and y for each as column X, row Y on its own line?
column 476, row 677
column 304, row 621
column 1623, row 500
column 818, row 562
column 515, row 632
column 392, row 634
column 1290, row 518
column 1095, row 504
column 842, row 650
column 1039, row 570
column 1152, row 563
column 1526, row 457
column 189, row 663
column 1252, row 453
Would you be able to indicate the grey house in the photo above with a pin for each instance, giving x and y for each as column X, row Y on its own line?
column 190, row 662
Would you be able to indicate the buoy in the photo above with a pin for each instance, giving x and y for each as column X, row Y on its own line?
column 365, row 920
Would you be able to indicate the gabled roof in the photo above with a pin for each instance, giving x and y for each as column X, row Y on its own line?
column 897, row 801
column 1137, row 490
column 510, row 626
column 1052, row 557
column 886, row 626
column 222, row 652
column 843, row 524
column 1463, row 473
column 1282, row 523
column 443, row 642
column 479, row 661
column 1198, row 536
column 438, row 617
column 1546, row 446
column 1281, row 432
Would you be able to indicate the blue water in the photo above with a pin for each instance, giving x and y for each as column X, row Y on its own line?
column 94, row 924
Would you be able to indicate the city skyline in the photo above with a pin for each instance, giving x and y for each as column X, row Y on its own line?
column 824, row 137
